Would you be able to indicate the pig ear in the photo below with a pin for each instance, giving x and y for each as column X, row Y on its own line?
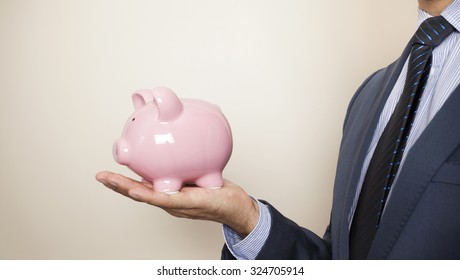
column 142, row 97
column 169, row 106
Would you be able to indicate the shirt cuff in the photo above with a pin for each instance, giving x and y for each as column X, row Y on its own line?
column 249, row 247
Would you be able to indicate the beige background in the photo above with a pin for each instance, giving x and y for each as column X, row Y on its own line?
column 67, row 70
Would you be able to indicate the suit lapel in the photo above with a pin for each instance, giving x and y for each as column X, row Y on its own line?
column 358, row 145
column 430, row 151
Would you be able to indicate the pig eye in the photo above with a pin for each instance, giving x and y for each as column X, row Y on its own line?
column 133, row 119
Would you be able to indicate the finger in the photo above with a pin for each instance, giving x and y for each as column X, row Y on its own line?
column 119, row 183
column 144, row 190
column 104, row 178
column 188, row 198
column 155, row 198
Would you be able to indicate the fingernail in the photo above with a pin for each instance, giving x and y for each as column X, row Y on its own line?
column 104, row 182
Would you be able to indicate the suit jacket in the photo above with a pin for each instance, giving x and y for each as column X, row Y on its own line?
column 422, row 217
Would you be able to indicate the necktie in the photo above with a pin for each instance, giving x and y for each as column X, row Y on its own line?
column 387, row 156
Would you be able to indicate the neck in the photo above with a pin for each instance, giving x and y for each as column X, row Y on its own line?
column 434, row 7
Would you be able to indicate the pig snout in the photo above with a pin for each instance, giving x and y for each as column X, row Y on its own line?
column 121, row 151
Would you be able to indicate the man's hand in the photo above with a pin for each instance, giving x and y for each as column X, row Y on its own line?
column 228, row 205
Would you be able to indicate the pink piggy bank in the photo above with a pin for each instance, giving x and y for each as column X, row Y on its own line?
column 170, row 141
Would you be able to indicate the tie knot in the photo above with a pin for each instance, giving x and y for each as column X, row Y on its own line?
column 433, row 31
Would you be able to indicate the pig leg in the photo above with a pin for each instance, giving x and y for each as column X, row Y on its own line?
column 166, row 185
column 210, row 181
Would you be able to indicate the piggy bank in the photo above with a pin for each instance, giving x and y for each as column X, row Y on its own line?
column 170, row 141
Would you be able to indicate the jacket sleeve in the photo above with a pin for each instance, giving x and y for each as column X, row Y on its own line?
column 287, row 241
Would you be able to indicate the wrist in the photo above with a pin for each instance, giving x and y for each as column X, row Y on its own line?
column 247, row 219
column 248, row 247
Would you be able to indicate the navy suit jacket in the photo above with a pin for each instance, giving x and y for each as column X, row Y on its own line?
column 422, row 217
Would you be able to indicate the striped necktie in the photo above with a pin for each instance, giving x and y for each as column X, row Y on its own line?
column 386, row 159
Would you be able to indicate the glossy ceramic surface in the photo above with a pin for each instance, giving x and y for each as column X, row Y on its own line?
column 171, row 141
